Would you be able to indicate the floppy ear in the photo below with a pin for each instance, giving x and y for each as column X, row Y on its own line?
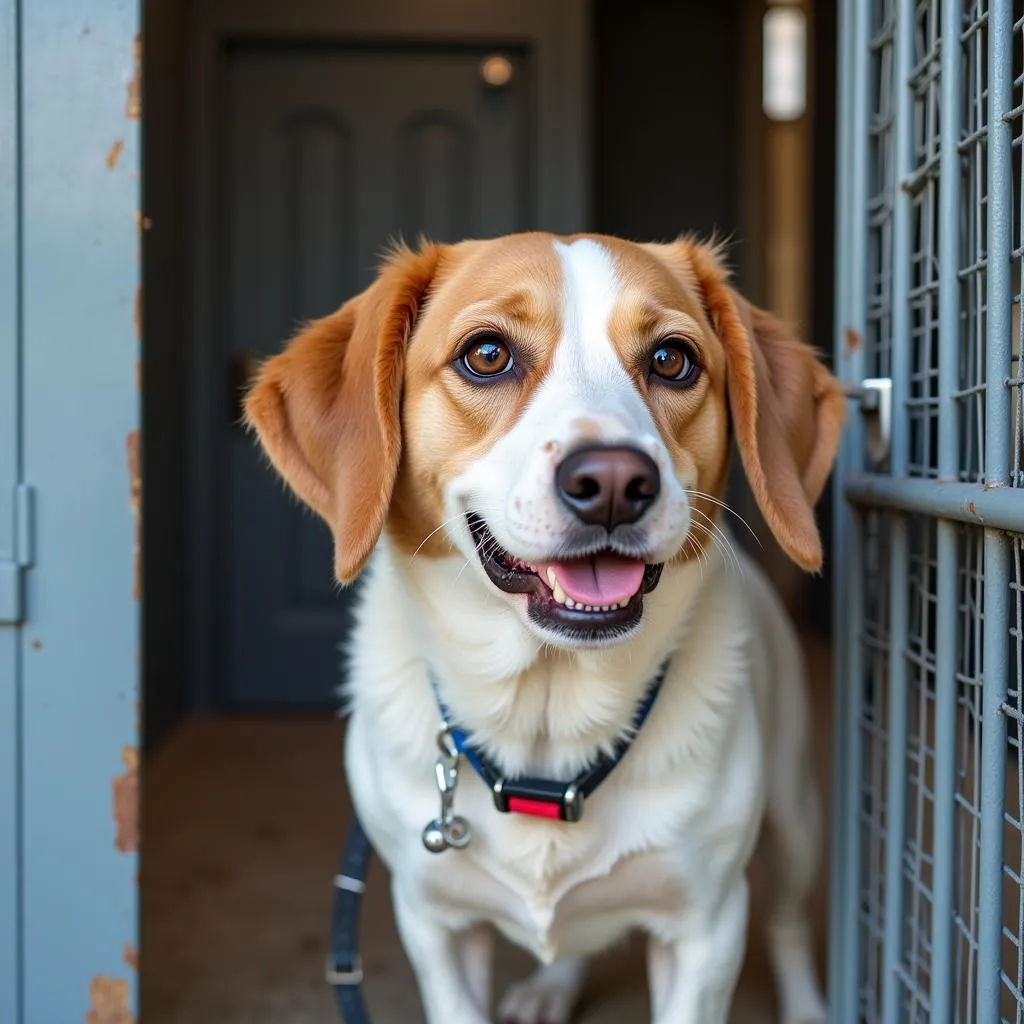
column 787, row 411
column 327, row 409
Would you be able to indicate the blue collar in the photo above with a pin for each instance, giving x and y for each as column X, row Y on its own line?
column 548, row 798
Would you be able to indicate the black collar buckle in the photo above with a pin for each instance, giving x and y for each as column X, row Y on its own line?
column 539, row 798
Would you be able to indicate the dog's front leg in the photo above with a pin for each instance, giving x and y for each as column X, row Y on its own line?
column 693, row 977
column 434, row 953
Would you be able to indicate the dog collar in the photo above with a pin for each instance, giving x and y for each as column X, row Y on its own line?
column 523, row 794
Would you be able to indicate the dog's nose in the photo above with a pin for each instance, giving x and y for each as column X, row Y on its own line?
column 608, row 487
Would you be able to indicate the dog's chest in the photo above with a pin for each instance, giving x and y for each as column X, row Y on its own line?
column 559, row 893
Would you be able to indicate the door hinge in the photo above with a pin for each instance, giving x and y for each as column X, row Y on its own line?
column 12, row 571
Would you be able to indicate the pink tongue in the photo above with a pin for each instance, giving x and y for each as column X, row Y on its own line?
column 599, row 579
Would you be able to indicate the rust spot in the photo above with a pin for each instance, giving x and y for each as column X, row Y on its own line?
column 133, row 108
column 131, row 956
column 37, row 644
column 138, row 375
column 137, row 315
column 142, row 222
column 126, row 803
column 851, row 340
column 115, row 154
column 108, row 1001
column 970, row 507
column 133, row 452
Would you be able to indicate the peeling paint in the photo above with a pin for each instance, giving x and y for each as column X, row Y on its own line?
column 142, row 222
column 851, row 340
column 133, row 453
column 133, row 108
column 115, row 154
column 126, row 803
column 108, row 1001
column 131, row 956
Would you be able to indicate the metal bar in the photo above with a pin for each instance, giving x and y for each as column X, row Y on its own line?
column 839, row 817
column 944, row 816
column 996, row 508
column 896, row 788
column 851, row 287
column 944, row 819
column 995, row 666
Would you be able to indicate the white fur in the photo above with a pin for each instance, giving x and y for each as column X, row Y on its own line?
column 664, row 844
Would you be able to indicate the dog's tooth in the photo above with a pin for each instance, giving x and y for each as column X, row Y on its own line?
column 570, row 603
column 556, row 589
column 552, row 579
column 588, row 608
column 624, row 602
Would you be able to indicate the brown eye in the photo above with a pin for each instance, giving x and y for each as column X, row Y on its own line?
column 672, row 361
column 487, row 357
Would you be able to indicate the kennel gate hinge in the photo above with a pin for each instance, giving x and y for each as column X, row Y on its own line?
column 12, row 570
column 874, row 396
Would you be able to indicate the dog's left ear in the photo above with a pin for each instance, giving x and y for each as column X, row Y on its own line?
column 327, row 409
column 787, row 410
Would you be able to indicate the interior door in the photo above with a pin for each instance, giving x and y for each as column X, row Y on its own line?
column 333, row 151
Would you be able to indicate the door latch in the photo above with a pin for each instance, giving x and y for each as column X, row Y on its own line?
column 12, row 571
column 874, row 397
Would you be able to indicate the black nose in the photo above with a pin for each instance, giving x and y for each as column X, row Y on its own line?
column 608, row 487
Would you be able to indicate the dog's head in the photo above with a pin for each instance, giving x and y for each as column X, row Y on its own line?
column 558, row 411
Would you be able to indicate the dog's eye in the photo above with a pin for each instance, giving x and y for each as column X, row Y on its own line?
column 487, row 357
column 673, row 361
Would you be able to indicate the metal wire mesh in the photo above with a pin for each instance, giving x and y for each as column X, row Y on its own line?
column 1015, row 117
column 918, row 859
column 973, row 149
column 875, row 642
column 1013, row 851
column 881, row 186
column 923, row 186
column 969, row 681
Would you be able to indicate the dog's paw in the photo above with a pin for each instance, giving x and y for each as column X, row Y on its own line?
column 809, row 1010
column 546, row 997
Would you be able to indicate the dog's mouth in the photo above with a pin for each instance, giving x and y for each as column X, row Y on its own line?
column 589, row 597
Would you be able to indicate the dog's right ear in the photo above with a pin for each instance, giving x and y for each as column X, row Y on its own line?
column 327, row 409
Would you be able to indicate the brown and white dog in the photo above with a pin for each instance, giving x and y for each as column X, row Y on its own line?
column 525, row 431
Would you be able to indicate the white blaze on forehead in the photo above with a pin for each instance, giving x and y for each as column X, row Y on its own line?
column 590, row 290
column 586, row 363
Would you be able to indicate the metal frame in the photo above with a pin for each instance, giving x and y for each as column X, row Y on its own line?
column 76, row 151
column 929, row 547
column 10, row 476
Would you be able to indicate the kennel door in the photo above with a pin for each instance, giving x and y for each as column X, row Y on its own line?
column 926, row 869
column 10, row 571
column 75, row 238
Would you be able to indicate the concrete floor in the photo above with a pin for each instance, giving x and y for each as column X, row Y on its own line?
column 243, row 822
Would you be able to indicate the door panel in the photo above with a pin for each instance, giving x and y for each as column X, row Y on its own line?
column 80, row 110
column 9, row 471
column 332, row 153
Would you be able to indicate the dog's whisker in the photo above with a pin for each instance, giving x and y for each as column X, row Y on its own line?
column 724, row 537
column 727, row 508
column 723, row 544
column 452, row 519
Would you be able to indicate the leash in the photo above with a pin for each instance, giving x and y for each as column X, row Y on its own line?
column 344, row 971
column 545, row 798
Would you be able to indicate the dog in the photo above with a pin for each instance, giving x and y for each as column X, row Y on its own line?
column 531, row 435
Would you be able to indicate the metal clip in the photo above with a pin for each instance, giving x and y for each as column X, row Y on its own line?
column 874, row 395
column 450, row 829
